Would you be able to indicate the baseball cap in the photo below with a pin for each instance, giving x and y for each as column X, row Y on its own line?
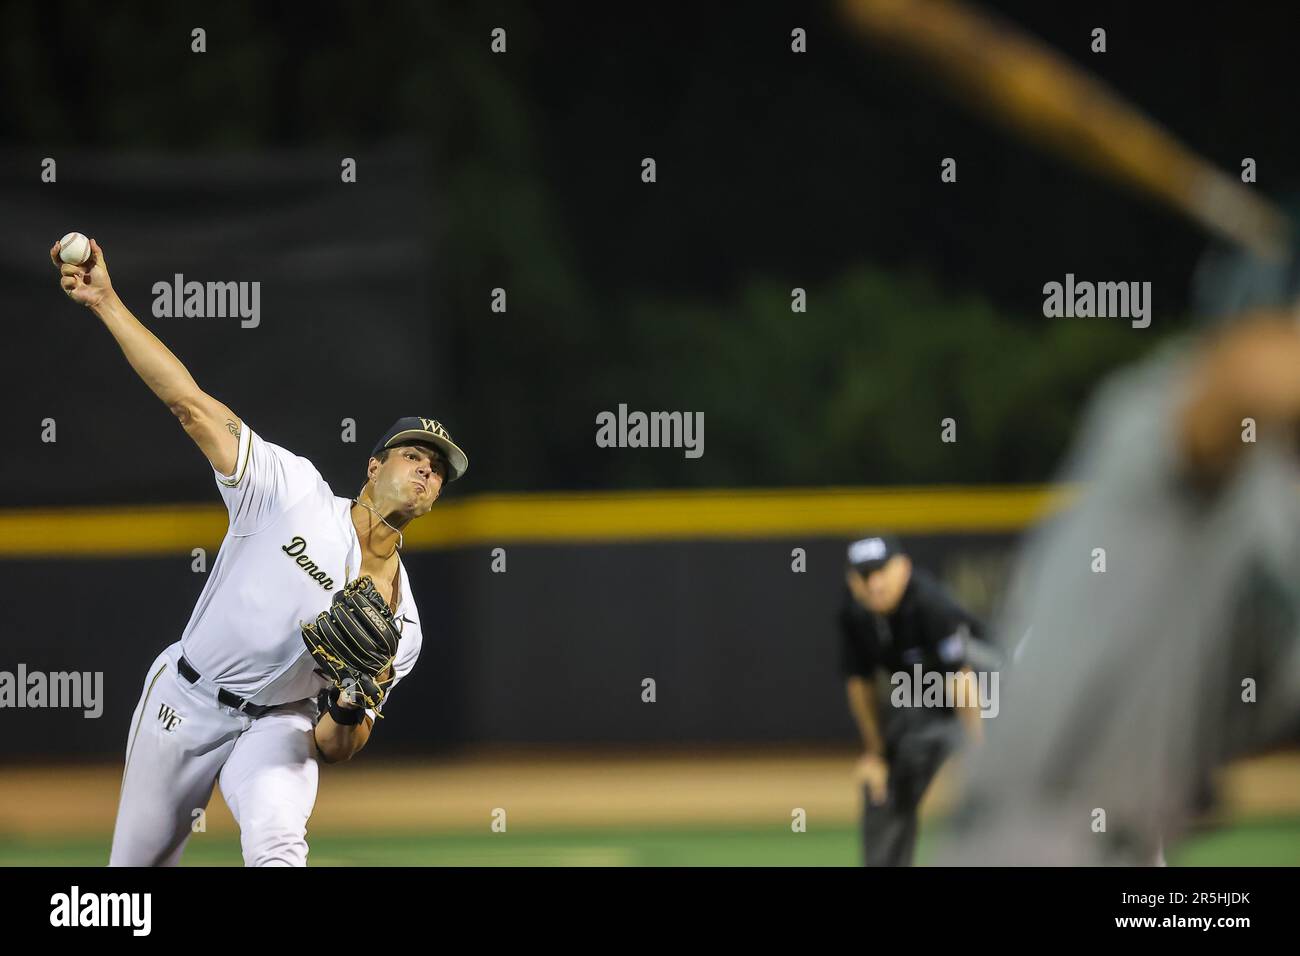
column 870, row 553
column 430, row 431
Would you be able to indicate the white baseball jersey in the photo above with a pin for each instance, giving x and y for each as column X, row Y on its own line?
column 290, row 546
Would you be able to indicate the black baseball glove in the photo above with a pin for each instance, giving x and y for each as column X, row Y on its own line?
column 354, row 643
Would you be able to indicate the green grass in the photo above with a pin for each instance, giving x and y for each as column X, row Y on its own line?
column 676, row 847
column 1264, row 843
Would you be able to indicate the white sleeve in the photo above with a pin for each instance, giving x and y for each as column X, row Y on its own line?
column 267, row 481
column 408, row 648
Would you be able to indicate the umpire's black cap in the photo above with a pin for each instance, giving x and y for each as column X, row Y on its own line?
column 429, row 431
column 870, row 553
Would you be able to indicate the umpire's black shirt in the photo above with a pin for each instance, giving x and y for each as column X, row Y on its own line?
column 928, row 627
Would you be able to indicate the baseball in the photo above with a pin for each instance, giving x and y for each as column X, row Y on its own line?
column 74, row 248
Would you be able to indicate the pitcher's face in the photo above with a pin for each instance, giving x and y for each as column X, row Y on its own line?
column 409, row 480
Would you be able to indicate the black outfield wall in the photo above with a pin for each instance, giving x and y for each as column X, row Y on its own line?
column 742, row 648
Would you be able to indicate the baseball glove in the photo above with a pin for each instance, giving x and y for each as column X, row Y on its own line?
column 354, row 643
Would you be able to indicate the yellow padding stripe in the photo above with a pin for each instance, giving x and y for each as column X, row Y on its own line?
column 566, row 517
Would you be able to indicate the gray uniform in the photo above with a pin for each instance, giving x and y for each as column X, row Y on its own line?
column 1126, row 684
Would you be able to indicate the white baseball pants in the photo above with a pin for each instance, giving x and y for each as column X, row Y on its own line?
column 182, row 741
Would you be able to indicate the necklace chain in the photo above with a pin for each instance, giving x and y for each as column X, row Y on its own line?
column 358, row 501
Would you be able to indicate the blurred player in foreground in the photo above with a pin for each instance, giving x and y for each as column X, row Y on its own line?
column 898, row 621
column 1128, row 682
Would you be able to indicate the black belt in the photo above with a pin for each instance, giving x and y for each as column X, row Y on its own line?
column 224, row 696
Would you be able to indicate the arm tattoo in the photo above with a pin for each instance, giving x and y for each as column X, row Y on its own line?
column 232, row 427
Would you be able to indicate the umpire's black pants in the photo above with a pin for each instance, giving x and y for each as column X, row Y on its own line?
column 920, row 742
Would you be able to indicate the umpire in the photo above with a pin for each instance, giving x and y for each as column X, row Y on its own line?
column 894, row 617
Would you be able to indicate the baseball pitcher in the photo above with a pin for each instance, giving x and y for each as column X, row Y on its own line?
column 305, row 625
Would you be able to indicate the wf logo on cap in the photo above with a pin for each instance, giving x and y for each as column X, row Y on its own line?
column 432, row 425
column 416, row 430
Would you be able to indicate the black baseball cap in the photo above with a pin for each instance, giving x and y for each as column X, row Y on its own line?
column 870, row 553
column 429, row 431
